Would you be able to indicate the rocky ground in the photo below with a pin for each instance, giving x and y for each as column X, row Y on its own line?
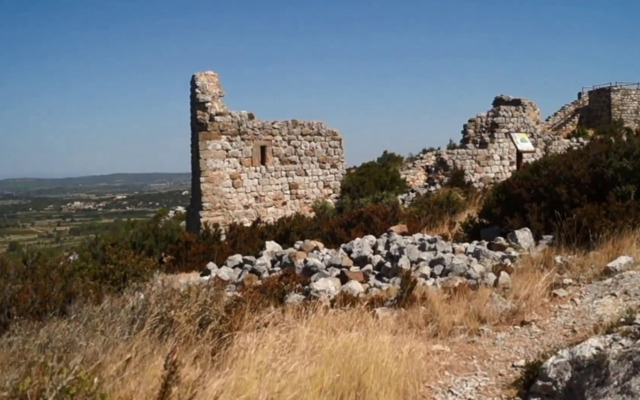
column 371, row 265
column 500, row 355
column 484, row 366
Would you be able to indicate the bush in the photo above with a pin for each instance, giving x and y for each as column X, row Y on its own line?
column 581, row 195
column 371, row 182
column 323, row 209
column 457, row 179
column 431, row 210
column 192, row 253
column 40, row 283
column 374, row 219
column 390, row 160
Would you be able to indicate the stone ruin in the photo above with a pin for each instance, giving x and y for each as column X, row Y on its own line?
column 597, row 106
column 486, row 153
column 244, row 169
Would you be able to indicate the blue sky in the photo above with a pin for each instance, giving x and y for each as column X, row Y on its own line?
column 93, row 87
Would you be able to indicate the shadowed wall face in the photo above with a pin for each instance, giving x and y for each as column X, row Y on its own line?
column 244, row 169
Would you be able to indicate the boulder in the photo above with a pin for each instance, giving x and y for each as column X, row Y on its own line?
column 271, row 248
column 325, row 288
column 227, row 274
column 504, row 280
column 211, row 268
column 354, row 288
column 310, row 245
column 346, row 262
column 498, row 244
column 490, row 279
column 404, row 264
column 294, row 299
column 522, row 239
column 482, row 254
column 234, row 261
column 261, row 266
column 312, row 266
column 602, row 367
column 442, row 247
column 346, row 276
column 437, row 269
column 424, row 271
column 359, row 250
column 618, row 265
column 412, row 253
column 458, row 266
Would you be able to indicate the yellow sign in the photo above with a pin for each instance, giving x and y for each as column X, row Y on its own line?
column 522, row 142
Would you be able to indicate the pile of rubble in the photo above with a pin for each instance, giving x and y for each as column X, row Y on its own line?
column 369, row 265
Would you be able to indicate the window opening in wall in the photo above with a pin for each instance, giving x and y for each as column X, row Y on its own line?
column 263, row 155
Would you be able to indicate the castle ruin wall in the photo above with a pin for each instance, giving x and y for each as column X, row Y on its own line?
column 487, row 154
column 244, row 169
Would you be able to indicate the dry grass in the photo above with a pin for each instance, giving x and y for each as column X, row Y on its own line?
column 170, row 343
column 336, row 355
column 590, row 265
column 182, row 345
column 451, row 227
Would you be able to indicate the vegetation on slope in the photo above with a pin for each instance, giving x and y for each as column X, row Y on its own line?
column 581, row 195
column 95, row 323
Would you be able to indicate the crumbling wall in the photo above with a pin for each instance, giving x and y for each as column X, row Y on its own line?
column 508, row 114
column 244, row 169
column 568, row 117
column 487, row 154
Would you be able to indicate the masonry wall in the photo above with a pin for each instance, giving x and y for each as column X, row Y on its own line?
column 599, row 108
column 625, row 105
column 487, row 154
column 610, row 104
column 244, row 169
column 568, row 117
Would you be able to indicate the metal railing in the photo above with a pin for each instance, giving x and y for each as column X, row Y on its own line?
column 612, row 84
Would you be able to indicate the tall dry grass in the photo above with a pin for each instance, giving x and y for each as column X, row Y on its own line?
column 167, row 342
column 452, row 226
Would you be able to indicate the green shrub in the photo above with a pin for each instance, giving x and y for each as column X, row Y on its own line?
column 192, row 253
column 38, row 283
column 323, row 209
column 457, row 179
column 370, row 183
column 433, row 209
column 390, row 160
column 581, row 195
column 374, row 219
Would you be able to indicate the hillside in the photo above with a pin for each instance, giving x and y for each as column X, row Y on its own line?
column 97, row 183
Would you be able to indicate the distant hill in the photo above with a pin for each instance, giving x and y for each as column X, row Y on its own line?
column 95, row 184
